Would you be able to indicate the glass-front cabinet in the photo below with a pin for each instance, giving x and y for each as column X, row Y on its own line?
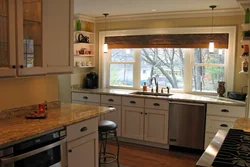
column 29, row 37
column 7, row 38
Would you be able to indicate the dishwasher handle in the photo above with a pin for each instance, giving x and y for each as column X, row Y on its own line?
column 193, row 104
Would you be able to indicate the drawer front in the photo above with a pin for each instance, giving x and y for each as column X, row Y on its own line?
column 157, row 104
column 109, row 99
column 227, row 111
column 215, row 123
column 133, row 101
column 86, row 97
column 81, row 129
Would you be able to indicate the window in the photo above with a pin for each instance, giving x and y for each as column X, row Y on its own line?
column 181, row 69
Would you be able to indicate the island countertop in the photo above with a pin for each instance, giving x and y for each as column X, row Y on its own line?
column 242, row 123
column 19, row 128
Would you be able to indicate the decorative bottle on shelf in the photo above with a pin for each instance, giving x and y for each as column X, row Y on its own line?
column 245, row 50
column 221, row 88
column 245, row 65
column 78, row 25
column 247, row 16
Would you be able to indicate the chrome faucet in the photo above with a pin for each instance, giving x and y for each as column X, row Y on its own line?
column 165, row 88
column 156, row 84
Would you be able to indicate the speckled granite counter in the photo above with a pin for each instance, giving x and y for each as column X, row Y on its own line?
column 242, row 123
column 174, row 97
column 19, row 128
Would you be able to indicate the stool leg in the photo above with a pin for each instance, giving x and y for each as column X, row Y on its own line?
column 105, row 146
column 100, row 152
column 118, row 148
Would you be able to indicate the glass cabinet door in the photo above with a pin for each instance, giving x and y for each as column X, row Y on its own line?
column 7, row 38
column 30, row 57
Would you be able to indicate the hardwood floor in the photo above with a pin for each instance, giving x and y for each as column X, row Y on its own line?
column 132, row 155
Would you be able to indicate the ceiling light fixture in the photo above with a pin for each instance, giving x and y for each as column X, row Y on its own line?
column 211, row 43
column 105, row 46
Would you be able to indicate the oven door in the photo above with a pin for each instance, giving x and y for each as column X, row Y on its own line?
column 53, row 155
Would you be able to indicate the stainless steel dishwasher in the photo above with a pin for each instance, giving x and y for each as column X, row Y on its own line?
column 187, row 124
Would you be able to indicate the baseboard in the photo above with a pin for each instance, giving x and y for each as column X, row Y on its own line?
column 145, row 143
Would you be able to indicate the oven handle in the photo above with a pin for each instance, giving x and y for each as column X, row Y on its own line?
column 31, row 153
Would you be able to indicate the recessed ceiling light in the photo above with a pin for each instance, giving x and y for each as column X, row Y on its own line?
column 153, row 10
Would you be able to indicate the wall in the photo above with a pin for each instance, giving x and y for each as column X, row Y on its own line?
column 239, row 80
column 18, row 92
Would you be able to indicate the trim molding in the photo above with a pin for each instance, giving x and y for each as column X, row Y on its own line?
column 170, row 15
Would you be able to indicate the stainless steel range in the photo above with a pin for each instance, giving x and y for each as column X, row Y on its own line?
column 227, row 149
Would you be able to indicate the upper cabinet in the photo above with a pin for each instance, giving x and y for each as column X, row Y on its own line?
column 36, row 37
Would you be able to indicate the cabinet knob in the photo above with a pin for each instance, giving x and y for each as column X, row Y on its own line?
column 85, row 97
column 21, row 66
column 14, row 66
column 70, row 151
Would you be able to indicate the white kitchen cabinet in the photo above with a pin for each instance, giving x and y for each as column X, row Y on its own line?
column 36, row 40
column 132, row 122
column 82, row 144
column 115, row 116
column 208, row 138
column 83, row 151
column 156, row 126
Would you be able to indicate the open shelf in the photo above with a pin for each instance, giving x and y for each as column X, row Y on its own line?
column 84, row 67
column 77, row 43
column 84, row 55
column 85, row 32
column 242, row 72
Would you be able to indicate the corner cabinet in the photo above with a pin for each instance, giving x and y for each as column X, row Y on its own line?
column 37, row 39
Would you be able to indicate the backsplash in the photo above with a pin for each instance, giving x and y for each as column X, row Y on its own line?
column 21, row 111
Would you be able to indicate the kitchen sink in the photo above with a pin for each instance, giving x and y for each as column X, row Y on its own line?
column 151, row 94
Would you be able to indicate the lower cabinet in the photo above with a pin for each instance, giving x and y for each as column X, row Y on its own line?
column 115, row 116
column 132, row 122
column 156, row 126
column 83, row 151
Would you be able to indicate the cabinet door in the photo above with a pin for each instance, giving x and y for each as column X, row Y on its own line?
column 83, row 151
column 30, row 60
column 115, row 116
column 58, row 35
column 132, row 122
column 156, row 126
column 7, row 38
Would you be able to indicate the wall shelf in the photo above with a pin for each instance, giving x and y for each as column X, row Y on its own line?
column 242, row 72
column 84, row 67
column 78, row 43
column 84, row 55
column 85, row 32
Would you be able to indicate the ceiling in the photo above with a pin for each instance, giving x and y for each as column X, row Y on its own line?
column 96, row 8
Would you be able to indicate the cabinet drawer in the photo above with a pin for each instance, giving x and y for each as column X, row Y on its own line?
column 156, row 104
column 108, row 99
column 227, row 111
column 82, row 128
column 215, row 123
column 133, row 101
column 95, row 98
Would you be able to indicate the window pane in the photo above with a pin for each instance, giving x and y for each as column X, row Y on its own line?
column 122, row 55
column 121, row 75
column 205, row 79
column 203, row 56
column 167, row 64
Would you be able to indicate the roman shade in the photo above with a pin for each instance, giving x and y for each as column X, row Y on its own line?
column 168, row 41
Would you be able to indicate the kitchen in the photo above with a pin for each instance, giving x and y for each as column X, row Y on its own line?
column 18, row 90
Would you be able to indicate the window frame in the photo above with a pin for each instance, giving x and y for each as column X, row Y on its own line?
column 229, row 58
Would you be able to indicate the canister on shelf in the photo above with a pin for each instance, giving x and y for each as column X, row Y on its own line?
column 245, row 65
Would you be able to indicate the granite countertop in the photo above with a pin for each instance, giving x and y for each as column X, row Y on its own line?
column 242, row 123
column 175, row 97
column 19, row 128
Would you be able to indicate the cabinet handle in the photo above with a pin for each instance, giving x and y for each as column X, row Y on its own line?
column 85, row 97
column 224, row 110
column 173, row 140
column 111, row 107
column 132, row 102
column 141, row 113
column 84, row 129
column 110, row 100
column 21, row 66
column 224, row 125
column 146, row 113
column 156, row 104
column 70, row 151
column 14, row 66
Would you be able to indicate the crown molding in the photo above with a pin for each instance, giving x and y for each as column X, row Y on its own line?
column 84, row 17
column 171, row 15
column 244, row 4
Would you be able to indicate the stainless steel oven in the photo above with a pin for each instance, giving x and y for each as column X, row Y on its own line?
column 48, row 150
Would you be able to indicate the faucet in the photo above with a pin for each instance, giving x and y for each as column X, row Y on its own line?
column 165, row 88
column 156, row 84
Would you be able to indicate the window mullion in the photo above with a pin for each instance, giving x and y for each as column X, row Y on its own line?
column 188, row 64
column 137, row 68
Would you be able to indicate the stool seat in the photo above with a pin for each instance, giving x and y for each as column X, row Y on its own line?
column 105, row 125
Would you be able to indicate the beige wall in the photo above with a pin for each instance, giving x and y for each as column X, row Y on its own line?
column 18, row 92
column 239, row 80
